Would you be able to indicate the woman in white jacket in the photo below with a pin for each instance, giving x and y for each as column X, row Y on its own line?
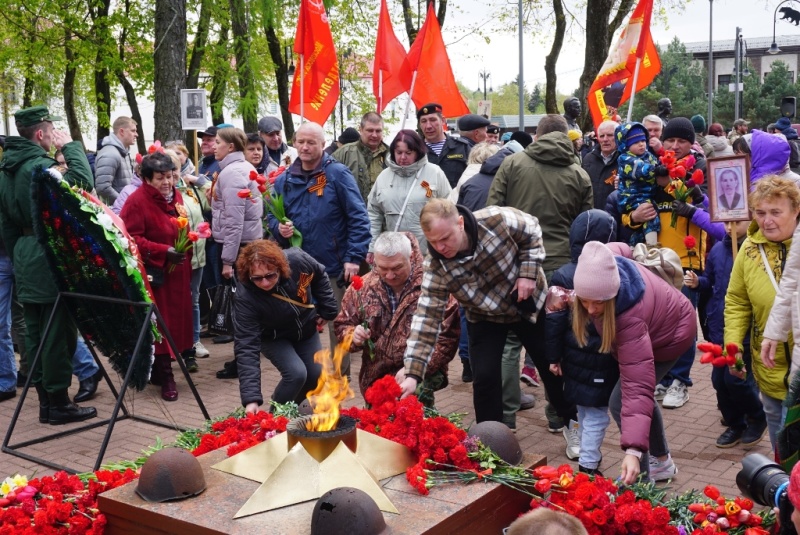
column 403, row 188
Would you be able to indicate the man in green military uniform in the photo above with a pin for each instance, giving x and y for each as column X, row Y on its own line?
column 366, row 158
column 36, row 286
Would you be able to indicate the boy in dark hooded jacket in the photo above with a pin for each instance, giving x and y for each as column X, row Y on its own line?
column 589, row 376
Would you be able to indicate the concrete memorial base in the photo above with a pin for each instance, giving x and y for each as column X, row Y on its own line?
column 456, row 508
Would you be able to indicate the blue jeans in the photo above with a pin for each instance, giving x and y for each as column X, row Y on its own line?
column 212, row 272
column 776, row 415
column 197, row 278
column 593, row 424
column 683, row 366
column 83, row 364
column 463, row 340
column 8, row 361
column 295, row 362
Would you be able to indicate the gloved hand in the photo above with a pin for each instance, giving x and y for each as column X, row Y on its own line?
column 683, row 209
column 697, row 195
column 174, row 257
column 661, row 170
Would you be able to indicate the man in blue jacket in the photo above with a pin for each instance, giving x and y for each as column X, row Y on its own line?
column 322, row 200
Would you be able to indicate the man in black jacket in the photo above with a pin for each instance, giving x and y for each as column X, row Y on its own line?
column 447, row 152
column 601, row 164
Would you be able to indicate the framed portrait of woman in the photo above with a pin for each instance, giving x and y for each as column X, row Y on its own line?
column 728, row 185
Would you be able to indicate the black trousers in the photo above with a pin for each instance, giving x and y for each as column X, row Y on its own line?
column 486, row 341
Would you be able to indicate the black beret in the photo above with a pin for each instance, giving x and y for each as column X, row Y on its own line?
column 472, row 122
column 492, row 129
column 427, row 109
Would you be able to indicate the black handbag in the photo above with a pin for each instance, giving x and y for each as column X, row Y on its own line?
column 220, row 318
column 155, row 275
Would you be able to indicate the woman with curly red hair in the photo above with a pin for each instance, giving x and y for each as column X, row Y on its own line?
column 282, row 295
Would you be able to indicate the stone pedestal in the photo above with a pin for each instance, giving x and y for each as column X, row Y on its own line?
column 457, row 508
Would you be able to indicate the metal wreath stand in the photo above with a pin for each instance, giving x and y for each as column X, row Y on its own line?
column 120, row 396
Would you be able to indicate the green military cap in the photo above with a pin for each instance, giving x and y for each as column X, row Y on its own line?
column 34, row 115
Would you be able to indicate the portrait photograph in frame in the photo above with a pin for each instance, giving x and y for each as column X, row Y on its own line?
column 728, row 185
column 193, row 109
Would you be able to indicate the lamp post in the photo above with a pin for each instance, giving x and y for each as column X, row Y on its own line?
column 710, row 61
column 739, row 71
column 773, row 48
column 484, row 75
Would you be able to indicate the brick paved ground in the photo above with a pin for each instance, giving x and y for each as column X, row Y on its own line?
column 691, row 430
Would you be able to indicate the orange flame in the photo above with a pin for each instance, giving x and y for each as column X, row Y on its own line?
column 332, row 388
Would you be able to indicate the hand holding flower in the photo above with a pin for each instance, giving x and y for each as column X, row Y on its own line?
column 360, row 335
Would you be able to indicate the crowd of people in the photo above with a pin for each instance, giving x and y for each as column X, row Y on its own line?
column 435, row 246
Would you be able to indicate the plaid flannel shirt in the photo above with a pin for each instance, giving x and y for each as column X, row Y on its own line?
column 508, row 246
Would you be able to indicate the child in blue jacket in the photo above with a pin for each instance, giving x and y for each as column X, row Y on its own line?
column 737, row 399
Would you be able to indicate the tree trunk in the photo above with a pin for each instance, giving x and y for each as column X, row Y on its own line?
column 69, row 90
column 550, row 103
column 408, row 17
column 102, row 90
column 248, row 100
column 199, row 44
column 130, row 96
column 170, row 67
column 219, row 79
column 281, row 79
column 599, row 33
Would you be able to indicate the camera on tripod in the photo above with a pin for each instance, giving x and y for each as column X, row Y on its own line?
column 766, row 483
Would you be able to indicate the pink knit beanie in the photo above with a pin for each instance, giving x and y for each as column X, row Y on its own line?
column 596, row 277
column 794, row 486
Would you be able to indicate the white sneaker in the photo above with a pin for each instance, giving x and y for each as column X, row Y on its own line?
column 573, row 438
column 660, row 392
column 200, row 350
column 662, row 470
column 677, row 395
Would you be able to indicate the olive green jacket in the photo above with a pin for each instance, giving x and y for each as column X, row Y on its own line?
column 363, row 163
column 33, row 278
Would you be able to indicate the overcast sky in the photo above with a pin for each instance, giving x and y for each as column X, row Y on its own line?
column 469, row 53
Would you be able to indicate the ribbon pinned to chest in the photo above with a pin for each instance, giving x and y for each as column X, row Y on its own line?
column 319, row 187
column 305, row 280
column 428, row 191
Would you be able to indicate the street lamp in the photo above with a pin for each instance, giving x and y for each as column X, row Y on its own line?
column 710, row 60
column 740, row 69
column 484, row 76
column 773, row 48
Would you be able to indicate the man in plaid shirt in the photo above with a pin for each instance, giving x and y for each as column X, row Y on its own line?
column 491, row 262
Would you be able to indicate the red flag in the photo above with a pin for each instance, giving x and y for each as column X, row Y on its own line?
column 320, row 76
column 391, row 63
column 435, row 81
column 611, row 88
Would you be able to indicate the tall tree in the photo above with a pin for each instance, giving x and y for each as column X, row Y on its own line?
column 271, row 24
column 98, row 11
column 408, row 16
column 170, row 67
column 248, row 100
column 550, row 104
column 536, row 99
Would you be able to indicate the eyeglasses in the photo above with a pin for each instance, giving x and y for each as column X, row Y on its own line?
column 269, row 277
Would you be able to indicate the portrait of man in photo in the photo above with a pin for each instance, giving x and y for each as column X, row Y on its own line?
column 194, row 110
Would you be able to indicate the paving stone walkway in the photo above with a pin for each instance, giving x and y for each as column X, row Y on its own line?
column 691, row 430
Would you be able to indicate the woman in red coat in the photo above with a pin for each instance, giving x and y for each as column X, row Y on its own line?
column 150, row 213
column 646, row 324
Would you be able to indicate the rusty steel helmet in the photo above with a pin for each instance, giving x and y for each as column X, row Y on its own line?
column 170, row 474
column 500, row 439
column 346, row 511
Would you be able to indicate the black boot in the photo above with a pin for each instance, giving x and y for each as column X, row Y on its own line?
column 88, row 387
column 64, row 411
column 44, row 404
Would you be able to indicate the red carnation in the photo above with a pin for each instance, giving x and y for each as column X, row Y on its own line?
column 689, row 242
column 357, row 282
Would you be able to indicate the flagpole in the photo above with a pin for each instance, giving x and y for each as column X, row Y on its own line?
column 408, row 102
column 380, row 91
column 302, row 83
column 633, row 88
